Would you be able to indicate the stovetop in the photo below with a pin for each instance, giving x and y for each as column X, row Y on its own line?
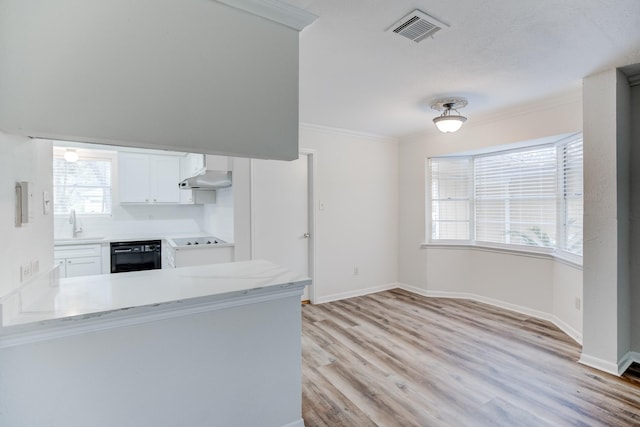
column 197, row 241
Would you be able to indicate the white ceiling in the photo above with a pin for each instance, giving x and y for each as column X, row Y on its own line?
column 497, row 53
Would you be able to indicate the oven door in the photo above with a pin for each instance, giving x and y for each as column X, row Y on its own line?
column 135, row 256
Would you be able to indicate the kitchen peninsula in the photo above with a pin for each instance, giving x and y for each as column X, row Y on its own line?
column 205, row 345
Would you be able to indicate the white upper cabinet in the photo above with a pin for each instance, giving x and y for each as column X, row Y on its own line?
column 134, row 172
column 192, row 76
column 165, row 175
column 193, row 165
column 148, row 178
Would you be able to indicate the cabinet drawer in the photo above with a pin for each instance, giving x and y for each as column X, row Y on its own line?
column 76, row 251
column 82, row 266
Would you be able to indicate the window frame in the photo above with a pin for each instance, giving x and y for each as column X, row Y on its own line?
column 557, row 251
column 470, row 206
column 90, row 154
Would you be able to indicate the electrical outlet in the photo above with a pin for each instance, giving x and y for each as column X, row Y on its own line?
column 35, row 267
column 25, row 272
column 578, row 303
column 355, row 271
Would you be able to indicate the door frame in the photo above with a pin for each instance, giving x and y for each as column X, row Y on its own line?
column 312, row 202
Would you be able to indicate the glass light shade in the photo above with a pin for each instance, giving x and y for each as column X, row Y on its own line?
column 448, row 124
column 70, row 155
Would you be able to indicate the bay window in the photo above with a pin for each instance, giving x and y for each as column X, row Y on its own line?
column 523, row 198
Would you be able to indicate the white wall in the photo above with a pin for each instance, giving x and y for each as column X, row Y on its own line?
column 567, row 286
column 606, row 220
column 182, row 75
column 529, row 284
column 357, row 186
column 218, row 216
column 357, row 216
column 22, row 159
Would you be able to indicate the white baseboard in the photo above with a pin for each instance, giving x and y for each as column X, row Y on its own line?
column 356, row 293
column 627, row 360
column 564, row 327
column 599, row 364
column 297, row 423
column 571, row 332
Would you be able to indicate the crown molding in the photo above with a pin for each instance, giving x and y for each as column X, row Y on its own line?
column 347, row 132
column 276, row 11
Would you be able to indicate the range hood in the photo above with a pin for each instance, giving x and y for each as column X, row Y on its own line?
column 210, row 180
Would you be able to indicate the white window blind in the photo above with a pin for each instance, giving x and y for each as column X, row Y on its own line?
column 529, row 197
column 516, row 197
column 450, row 198
column 572, row 175
column 84, row 185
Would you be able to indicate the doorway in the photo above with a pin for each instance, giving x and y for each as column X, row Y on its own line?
column 282, row 200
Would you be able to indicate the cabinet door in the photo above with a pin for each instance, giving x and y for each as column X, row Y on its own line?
column 83, row 266
column 196, row 164
column 133, row 173
column 186, row 197
column 201, row 256
column 164, row 179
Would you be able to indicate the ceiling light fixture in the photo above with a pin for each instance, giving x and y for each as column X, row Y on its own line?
column 448, row 122
column 71, row 155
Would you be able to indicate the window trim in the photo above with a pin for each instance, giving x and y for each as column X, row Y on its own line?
column 554, row 253
column 88, row 154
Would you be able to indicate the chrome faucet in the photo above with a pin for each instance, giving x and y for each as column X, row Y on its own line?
column 73, row 220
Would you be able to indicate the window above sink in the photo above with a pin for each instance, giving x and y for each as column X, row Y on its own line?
column 83, row 184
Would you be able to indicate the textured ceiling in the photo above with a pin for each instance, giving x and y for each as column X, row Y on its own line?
column 497, row 53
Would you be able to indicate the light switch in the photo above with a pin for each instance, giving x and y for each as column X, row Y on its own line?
column 46, row 202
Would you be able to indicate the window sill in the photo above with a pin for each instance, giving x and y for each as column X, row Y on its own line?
column 569, row 260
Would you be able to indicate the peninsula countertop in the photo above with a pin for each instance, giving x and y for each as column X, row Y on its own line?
column 60, row 301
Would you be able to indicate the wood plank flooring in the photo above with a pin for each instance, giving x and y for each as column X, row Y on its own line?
column 399, row 359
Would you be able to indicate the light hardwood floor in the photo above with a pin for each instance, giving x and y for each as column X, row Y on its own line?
column 399, row 359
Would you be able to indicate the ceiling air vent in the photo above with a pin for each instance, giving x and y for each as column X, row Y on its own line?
column 417, row 26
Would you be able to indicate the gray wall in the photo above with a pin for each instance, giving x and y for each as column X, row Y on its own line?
column 635, row 219
column 191, row 75
column 238, row 366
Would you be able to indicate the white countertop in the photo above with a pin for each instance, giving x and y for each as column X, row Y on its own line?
column 86, row 296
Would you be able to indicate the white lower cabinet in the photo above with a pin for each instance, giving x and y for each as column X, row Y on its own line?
column 187, row 257
column 78, row 260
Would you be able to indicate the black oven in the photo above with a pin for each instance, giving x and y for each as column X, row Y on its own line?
column 135, row 256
